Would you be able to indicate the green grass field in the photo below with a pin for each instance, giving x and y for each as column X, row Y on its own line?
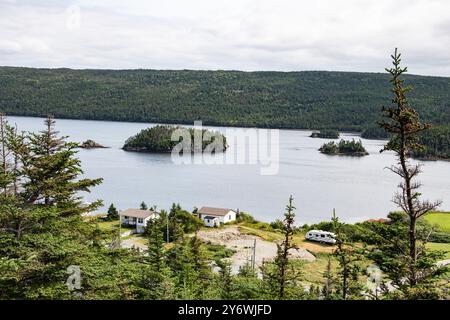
column 440, row 219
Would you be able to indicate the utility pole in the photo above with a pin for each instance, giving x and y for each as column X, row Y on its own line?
column 254, row 255
column 120, row 227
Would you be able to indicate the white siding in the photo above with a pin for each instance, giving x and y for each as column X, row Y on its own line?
column 229, row 217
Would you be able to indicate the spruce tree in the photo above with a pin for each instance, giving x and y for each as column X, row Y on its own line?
column 327, row 289
column 157, row 280
column 143, row 206
column 113, row 214
column 403, row 124
column 225, row 279
column 50, row 172
column 281, row 274
column 347, row 282
column 9, row 168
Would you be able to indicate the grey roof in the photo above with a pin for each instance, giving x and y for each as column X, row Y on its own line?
column 136, row 213
column 214, row 211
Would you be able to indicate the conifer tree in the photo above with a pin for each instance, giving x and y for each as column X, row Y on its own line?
column 157, row 279
column 8, row 160
column 347, row 281
column 282, row 258
column 403, row 124
column 113, row 214
column 200, row 260
column 143, row 206
column 225, row 279
column 280, row 274
column 327, row 289
column 50, row 172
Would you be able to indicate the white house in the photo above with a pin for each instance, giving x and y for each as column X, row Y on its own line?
column 137, row 218
column 214, row 217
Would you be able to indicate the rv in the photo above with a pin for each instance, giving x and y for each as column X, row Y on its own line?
column 321, row 236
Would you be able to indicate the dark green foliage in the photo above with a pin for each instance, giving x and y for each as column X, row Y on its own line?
column 280, row 276
column 246, row 285
column 157, row 279
column 353, row 232
column 143, row 206
column 49, row 171
column 277, row 224
column 159, row 139
column 347, row 284
column 113, row 214
column 225, row 280
column 410, row 266
column 439, row 237
column 391, row 254
column 325, row 134
column 217, row 252
column 435, row 143
column 178, row 222
column 245, row 217
column 308, row 100
column 374, row 132
column 42, row 232
column 352, row 148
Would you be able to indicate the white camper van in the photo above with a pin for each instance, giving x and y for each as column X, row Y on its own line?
column 321, row 236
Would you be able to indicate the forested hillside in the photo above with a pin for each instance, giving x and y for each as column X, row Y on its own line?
column 310, row 100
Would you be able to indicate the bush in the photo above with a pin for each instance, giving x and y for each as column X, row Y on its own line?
column 245, row 217
column 277, row 224
column 440, row 237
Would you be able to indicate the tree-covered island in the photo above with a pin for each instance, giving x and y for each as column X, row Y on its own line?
column 325, row 134
column 164, row 138
column 348, row 148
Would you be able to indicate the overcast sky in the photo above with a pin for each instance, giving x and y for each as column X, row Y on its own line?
column 286, row 35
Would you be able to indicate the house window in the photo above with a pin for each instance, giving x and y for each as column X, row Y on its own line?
column 140, row 220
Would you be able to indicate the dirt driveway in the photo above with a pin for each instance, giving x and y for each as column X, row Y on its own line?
column 232, row 238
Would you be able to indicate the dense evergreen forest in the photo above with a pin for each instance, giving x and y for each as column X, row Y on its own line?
column 436, row 143
column 309, row 100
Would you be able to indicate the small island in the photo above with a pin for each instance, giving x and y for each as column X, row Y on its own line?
column 158, row 139
column 325, row 134
column 90, row 144
column 345, row 148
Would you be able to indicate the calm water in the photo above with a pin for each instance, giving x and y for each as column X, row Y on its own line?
column 359, row 188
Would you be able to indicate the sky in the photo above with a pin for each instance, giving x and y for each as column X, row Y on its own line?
column 249, row 35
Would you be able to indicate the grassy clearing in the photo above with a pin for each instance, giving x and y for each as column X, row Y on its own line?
column 313, row 271
column 108, row 225
column 274, row 235
column 439, row 219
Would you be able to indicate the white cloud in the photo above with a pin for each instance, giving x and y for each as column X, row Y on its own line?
column 350, row 35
